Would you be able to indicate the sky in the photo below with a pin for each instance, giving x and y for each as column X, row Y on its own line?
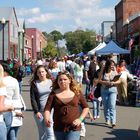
column 63, row 15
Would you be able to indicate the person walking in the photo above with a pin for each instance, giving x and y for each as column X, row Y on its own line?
column 78, row 71
column 96, row 89
column 65, row 98
column 13, row 98
column 122, row 87
column 3, row 107
column 39, row 91
column 90, row 68
column 109, row 92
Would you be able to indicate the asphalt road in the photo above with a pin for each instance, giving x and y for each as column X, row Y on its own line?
column 128, row 120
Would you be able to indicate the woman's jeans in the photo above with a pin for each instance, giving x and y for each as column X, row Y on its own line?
column 3, row 131
column 13, row 133
column 8, row 120
column 109, row 96
column 71, row 135
column 87, row 90
column 45, row 133
column 96, row 108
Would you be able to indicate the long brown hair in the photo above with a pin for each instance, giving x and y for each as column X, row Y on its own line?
column 35, row 76
column 74, row 86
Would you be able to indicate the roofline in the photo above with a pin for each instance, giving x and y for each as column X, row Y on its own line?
column 15, row 16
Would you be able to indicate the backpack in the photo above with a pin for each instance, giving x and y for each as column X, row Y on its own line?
column 92, row 70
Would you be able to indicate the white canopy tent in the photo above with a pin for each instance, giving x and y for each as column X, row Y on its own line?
column 113, row 48
column 100, row 46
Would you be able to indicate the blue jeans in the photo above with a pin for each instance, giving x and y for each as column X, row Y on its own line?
column 13, row 133
column 109, row 96
column 96, row 108
column 45, row 133
column 20, row 86
column 71, row 135
column 87, row 90
column 8, row 120
column 3, row 131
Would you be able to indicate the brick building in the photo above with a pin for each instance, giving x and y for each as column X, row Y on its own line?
column 127, row 17
column 38, row 42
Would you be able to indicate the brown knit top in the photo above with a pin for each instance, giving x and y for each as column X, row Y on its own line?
column 65, row 113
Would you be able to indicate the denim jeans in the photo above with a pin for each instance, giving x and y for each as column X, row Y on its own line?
column 96, row 107
column 3, row 131
column 45, row 133
column 13, row 133
column 8, row 120
column 109, row 96
column 71, row 135
column 87, row 90
column 20, row 86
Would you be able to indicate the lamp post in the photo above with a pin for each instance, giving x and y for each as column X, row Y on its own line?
column 23, row 32
column 40, row 49
column 32, row 46
column 3, row 23
column 127, row 23
column 129, row 47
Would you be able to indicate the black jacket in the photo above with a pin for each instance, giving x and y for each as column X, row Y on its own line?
column 34, row 97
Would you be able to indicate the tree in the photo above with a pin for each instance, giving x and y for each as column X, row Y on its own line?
column 52, row 47
column 50, row 50
column 80, row 41
column 56, row 35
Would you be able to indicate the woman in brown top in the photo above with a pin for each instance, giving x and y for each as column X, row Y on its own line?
column 65, row 98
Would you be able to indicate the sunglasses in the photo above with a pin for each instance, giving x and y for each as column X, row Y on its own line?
column 64, row 72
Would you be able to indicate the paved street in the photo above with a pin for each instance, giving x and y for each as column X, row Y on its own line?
column 128, row 120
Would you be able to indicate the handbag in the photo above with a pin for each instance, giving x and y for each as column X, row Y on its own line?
column 23, row 103
column 90, row 96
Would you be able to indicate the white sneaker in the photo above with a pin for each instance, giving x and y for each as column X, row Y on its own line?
column 107, row 122
column 95, row 117
column 98, row 117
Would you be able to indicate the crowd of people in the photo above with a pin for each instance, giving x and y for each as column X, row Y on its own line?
column 58, row 102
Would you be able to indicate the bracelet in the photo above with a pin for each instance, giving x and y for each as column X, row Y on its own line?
column 81, row 118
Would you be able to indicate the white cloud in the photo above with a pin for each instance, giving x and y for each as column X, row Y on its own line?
column 80, row 23
column 25, row 12
column 79, row 13
column 42, row 18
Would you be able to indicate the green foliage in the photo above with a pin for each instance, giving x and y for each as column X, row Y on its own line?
column 56, row 35
column 80, row 41
column 50, row 50
column 45, row 34
column 76, row 42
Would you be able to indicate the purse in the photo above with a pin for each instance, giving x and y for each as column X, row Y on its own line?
column 90, row 96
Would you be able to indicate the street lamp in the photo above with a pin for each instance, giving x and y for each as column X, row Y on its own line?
column 23, row 34
column 32, row 46
column 40, row 49
column 127, row 23
column 3, row 21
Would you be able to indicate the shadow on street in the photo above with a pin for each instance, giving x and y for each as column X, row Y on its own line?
column 122, row 134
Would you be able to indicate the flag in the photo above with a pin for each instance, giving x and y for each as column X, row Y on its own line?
column 131, row 41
